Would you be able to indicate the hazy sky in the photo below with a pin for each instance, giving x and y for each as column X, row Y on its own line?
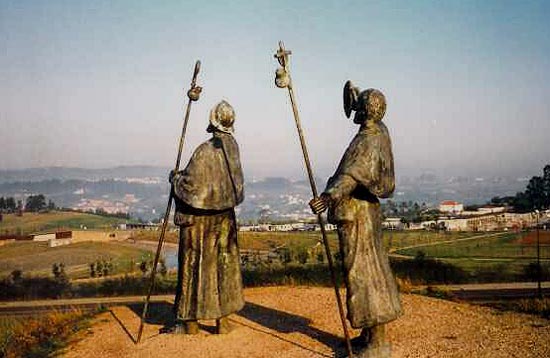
column 102, row 83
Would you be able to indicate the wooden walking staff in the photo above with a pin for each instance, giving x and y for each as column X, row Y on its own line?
column 193, row 95
column 283, row 80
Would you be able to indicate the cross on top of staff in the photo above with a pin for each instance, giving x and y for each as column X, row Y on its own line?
column 282, row 54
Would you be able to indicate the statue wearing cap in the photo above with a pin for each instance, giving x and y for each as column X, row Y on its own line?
column 206, row 193
column 364, row 175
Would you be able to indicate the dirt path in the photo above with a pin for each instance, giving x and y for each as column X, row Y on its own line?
column 302, row 322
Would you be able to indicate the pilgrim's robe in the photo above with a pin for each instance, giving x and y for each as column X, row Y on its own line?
column 365, row 173
column 206, row 192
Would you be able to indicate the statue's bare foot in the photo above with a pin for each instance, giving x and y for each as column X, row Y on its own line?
column 377, row 335
column 184, row 327
column 380, row 351
column 376, row 346
column 191, row 327
column 223, row 326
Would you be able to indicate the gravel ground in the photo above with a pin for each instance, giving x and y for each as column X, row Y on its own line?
column 303, row 322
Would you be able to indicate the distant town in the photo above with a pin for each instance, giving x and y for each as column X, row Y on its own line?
column 142, row 192
column 281, row 204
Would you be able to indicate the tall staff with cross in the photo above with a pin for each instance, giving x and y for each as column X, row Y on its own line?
column 283, row 80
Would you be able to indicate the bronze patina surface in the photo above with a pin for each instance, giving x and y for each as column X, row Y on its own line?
column 206, row 192
column 365, row 174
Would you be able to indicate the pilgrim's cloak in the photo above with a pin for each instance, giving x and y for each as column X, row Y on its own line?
column 365, row 174
column 206, row 192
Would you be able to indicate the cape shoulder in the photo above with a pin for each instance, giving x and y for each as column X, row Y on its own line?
column 369, row 160
column 213, row 178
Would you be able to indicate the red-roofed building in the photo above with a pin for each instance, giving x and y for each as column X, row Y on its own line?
column 450, row 206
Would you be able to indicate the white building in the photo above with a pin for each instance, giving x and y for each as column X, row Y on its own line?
column 491, row 222
column 44, row 237
column 393, row 224
column 451, row 207
column 59, row 242
column 489, row 209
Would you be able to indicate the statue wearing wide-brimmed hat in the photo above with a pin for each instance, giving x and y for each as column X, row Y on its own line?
column 365, row 174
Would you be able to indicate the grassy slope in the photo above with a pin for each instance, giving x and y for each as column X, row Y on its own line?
column 267, row 240
column 503, row 250
column 37, row 257
column 40, row 336
column 39, row 222
column 505, row 246
column 506, row 252
column 270, row 240
column 394, row 239
column 502, row 253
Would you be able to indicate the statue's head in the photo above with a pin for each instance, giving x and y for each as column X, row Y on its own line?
column 222, row 117
column 369, row 105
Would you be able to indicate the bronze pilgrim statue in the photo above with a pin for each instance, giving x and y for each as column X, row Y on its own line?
column 206, row 193
column 365, row 174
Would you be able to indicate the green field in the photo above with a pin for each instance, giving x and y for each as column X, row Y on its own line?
column 476, row 253
column 270, row 240
column 40, row 222
column 488, row 254
column 392, row 239
column 37, row 258
column 265, row 240
column 395, row 240
column 502, row 246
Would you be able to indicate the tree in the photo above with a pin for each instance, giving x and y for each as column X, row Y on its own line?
column 163, row 270
column 284, row 255
column 521, row 203
column 93, row 271
column 392, row 208
column 320, row 257
column 505, row 200
column 143, row 267
column 301, row 255
column 10, row 205
column 58, row 270
column 35, row 203
column 535, row 192
column 536, row 195
column 546, row 185
column 17, row 275
column 62, row 282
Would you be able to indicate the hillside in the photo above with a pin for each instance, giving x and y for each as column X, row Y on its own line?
column 38, row 222
column 143, row 190
column 37, row 258
column 66, row 173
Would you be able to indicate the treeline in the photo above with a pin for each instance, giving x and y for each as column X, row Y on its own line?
column 33, row 203
column 535, row 197
column 409, row 212
column 421, row 270
column 102, row 212
column 39, row 203
column 9, row 205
